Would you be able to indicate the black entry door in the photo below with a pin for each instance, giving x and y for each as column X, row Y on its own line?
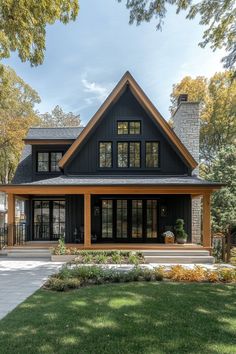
column 129, row 220
column 48, row 220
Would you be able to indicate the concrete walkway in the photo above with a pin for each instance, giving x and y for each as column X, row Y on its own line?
column 20, row 278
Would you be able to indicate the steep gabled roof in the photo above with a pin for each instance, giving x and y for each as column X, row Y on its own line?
column 128, row 79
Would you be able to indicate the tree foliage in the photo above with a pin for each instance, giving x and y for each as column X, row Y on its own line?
column 58, row 118
column 17, row 114
column 218, row 15
column 23, row 25
column 217, row 97
column 223, row 169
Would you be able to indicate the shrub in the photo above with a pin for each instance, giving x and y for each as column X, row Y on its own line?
column 180, row 273
column 116, row 258
column 179, row 230
column 133, row 259
column 158, row 273
column 227, row 275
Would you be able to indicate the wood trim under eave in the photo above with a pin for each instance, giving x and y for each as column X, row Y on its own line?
column 146, row 103
column 136, row 190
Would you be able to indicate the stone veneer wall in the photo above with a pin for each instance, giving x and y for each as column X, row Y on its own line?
column 186, row 124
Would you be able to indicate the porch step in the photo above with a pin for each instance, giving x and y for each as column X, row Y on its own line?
column 28, row 252
column 200, row 252
column 178, row 257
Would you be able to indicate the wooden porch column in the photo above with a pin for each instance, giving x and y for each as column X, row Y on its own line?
column 206, row 220
column 11, row 218
column 87, row 220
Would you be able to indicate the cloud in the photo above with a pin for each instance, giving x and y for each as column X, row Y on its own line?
column 96, row 91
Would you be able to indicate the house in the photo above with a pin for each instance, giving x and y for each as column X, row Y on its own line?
column 119, row 182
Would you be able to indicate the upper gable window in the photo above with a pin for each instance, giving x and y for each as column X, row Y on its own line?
column 105, row 154
column 129, row 127
column 152, row 154
column 48, row 161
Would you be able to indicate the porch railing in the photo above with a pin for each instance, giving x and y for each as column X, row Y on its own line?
column 20, row 231
column 3, row 236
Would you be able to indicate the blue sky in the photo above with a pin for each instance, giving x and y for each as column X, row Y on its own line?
column 85, row 59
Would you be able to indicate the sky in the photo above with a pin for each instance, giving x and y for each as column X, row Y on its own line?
column 85, row 59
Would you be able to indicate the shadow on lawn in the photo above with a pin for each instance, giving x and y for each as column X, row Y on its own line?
column 148, row 318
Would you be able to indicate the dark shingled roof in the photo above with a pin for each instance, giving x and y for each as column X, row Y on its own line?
column 24, row 169
column 123, row 180
column 66, row 133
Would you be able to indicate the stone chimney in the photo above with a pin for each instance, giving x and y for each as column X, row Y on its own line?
column 186, row 125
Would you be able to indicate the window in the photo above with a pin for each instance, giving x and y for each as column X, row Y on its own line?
column 43, row 162
column 129, row 127
column 107, row 218
column 151, row 218
column 128, row 154
column 105, row 154
column 152, row 154
column 121, row 219
column 135, row 127
column 122, row 158
column 134, row 154
column 48, row 161
column 123, row 128
column 137, row 218
column 55, row 158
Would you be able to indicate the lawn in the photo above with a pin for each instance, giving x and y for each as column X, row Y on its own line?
column 147, row 318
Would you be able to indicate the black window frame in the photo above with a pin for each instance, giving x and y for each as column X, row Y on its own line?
column 129, row 122
column 105, row 142
column 49, row 161
column 128, row 154
column 159, row 162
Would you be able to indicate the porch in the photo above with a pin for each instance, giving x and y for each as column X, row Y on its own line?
column 145, row 234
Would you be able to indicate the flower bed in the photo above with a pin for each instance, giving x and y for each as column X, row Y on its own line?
column 97, row 257
column 79, row 276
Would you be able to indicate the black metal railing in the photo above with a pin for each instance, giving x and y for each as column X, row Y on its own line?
column 48, row 231
column 3, row 236
column 20, row 234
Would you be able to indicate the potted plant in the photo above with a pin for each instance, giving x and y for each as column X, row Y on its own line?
column 181, row 236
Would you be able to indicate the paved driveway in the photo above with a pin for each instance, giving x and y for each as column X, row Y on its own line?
column 19, row 278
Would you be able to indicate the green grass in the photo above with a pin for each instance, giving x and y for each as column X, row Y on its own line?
column 147, row 318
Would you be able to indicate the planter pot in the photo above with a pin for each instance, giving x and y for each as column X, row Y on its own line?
column 62, row 258
column 181, row 241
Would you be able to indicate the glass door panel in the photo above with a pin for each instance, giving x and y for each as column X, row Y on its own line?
column 107, row 219
column 58, row 219
column 137, row 219
column 121, row 219
column 41, row 220
column 151, row 219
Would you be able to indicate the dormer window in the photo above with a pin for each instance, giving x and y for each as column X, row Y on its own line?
column 48, row 161
column 129, row 127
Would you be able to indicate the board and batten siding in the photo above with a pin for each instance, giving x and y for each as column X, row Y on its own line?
column 86, row 160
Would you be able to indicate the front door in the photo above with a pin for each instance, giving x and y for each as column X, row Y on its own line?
column 48, row 220
column 129, row 220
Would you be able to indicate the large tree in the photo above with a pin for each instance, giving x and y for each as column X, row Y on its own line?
column 23, row 25
column 219, row 16
column 217, row 97
column 58, row 118
column 17, row 114
column 223, row 169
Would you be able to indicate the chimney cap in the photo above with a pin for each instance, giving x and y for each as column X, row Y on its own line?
column 183, row 97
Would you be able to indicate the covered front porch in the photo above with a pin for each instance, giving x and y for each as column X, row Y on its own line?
column 106, row 217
